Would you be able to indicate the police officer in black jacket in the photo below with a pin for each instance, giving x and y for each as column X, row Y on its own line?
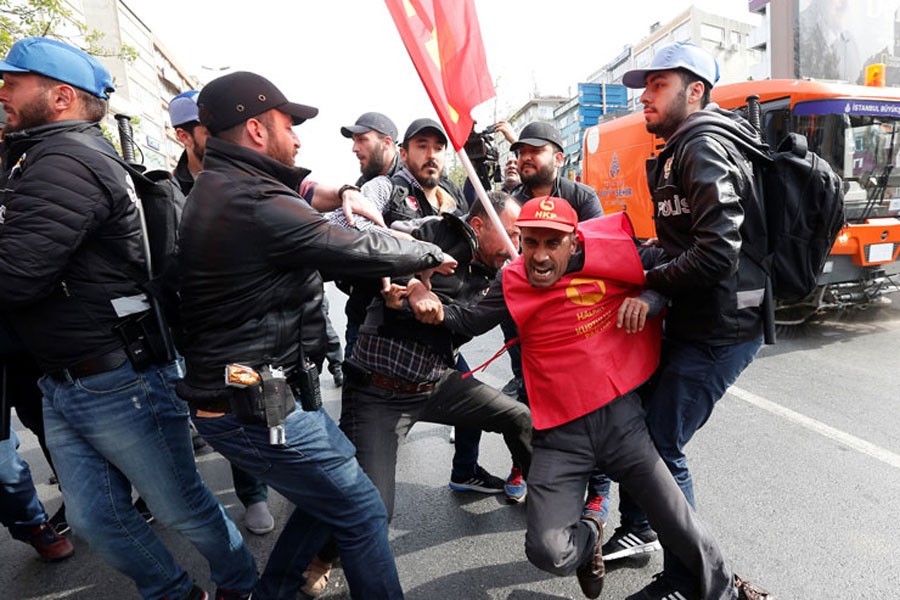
column 111, row 416
column 251, row 249
column 702, row 187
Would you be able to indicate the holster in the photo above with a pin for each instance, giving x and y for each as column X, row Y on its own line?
column 268, row 402
column 142, row 340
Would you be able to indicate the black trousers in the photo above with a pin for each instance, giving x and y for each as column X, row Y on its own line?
column 613, row 438
column 377, row 420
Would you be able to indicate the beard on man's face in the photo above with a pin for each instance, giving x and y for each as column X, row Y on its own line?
column 197, row 150
column 34, row 114
column 425, row 179
column 375, row 166
column 542, row 175
column 675, row 114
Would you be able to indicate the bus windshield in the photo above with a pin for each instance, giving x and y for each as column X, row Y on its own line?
column 861, row 140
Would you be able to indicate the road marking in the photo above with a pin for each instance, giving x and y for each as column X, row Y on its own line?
column 828, row 431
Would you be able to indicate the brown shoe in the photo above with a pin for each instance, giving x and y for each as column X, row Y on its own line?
column 317, row 575
column 748, row 591
column 590, row 574
column 49, row 544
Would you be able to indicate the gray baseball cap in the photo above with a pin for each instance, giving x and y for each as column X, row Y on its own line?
column 183, row 108
column 371, row 121
column 680, row 55
column 420, row 125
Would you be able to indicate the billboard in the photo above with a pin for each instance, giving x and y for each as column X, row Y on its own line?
column 836, row 39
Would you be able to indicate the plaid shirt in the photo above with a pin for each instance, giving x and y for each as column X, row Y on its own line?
column 405, row 359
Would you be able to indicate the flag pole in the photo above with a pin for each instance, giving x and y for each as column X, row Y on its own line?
column 485, row 201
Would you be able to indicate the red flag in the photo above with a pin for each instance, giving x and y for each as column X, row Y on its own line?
column 444, row 42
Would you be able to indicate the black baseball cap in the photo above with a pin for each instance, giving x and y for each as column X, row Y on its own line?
column 420, row 125
column 371, row 121
column 232, row 99
column 538, row 133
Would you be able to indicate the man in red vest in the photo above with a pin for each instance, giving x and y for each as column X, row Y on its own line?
column 578, row 287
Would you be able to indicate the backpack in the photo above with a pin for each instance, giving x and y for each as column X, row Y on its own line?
column 804, row 208
column 161, row 203
column 802, row 213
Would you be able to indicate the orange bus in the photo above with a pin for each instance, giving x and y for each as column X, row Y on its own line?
column 855, row 128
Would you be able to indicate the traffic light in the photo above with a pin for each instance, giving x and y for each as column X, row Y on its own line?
column 875, row 75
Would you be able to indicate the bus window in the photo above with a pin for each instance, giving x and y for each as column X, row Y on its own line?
column 863, row 150
column 825, row 135
column 776, row 126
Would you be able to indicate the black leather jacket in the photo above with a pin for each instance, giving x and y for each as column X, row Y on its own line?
column 408, row 199
column 314, row 336
column 702, row 186
column 583, row 198
column 65, row 208
column 466, row 286
column 250, row 252
column 407, row 202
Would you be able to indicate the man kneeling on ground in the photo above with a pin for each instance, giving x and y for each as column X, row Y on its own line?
column 578, row 286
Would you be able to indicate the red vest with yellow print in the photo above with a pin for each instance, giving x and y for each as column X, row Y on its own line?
column 574, row 358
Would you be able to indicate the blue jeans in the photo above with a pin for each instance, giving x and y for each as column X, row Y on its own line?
column 20, row 509
column 691, row 378
column 316, row 470
column 123, row 428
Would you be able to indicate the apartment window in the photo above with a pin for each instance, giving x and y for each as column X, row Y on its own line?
column 663, row 41
column 711, row 33
column 642, row 59
column 682, row 33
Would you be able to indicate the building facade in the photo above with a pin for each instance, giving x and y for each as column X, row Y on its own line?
column 143, row 86
column 602, row 96
column 729, row 40
column 831, row 40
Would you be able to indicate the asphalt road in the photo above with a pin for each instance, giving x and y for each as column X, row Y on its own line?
column 797, row 472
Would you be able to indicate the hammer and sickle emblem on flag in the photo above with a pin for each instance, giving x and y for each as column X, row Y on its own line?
column 585, row 291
